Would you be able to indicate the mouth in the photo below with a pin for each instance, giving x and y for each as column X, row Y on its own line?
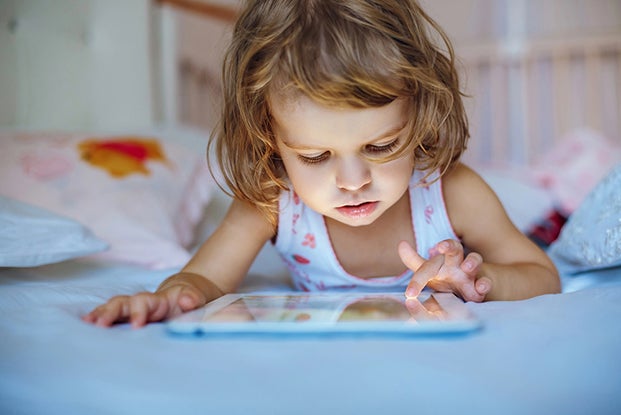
column 358, row 211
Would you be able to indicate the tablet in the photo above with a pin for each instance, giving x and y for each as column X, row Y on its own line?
column 328, row 313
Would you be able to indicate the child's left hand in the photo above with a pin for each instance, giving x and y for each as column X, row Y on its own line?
column 446, row 270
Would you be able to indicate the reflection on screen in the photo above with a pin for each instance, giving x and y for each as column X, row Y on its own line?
column 328, row 308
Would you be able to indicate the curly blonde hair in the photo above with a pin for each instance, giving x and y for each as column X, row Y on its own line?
column 352, row 53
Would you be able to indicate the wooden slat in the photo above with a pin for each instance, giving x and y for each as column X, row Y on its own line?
column 618, row 85
column 530, row 108
column 499, row 102
column 203, row 8
column 593, row 89
column 560, row 83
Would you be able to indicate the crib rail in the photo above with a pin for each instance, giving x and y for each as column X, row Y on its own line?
column 525, row 97
column 203, row 8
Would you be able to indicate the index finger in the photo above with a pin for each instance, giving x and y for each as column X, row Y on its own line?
column 116, row 309
column 427, row 271
column 417, row 310
column 424, row 270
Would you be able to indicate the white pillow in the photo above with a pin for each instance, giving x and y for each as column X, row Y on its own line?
column 591, row 238
column 526, row 203
column 32, row 236
column 143, row 194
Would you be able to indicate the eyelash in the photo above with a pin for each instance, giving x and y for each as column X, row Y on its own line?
column 386, row 148
column 313, row 160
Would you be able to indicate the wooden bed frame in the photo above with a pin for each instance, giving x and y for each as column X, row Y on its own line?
column 525, row 99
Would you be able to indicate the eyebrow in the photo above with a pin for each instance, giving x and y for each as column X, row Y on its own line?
column 387, row 134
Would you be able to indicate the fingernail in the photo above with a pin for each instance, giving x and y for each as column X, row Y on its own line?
column 410, row 292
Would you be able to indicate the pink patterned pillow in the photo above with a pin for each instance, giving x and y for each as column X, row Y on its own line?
column 142, row 194
column 573, row 167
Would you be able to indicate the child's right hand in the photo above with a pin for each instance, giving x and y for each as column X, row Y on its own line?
column 447, row 270
column 142, row 308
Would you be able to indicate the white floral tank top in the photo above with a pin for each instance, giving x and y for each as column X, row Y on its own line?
column 304, row 244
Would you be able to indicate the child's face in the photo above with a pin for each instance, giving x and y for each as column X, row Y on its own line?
column 329, row 154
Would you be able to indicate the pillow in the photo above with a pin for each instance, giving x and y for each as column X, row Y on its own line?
column 574, row 166
column 31, row 236
column 591, row 238
column 526, row 202
column 142, row 194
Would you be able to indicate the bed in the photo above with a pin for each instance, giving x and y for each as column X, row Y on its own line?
column 62, row 254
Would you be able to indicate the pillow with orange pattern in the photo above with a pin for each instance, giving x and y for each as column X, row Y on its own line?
column 141, row 194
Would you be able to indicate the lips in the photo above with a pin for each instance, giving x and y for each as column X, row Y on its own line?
column 361, row 210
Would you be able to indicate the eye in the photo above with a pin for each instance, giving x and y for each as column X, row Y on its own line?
column 384, row 148
column 314, row 159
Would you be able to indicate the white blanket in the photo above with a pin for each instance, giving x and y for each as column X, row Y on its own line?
column 554, row 354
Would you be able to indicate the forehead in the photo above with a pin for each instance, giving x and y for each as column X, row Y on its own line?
column 300, row 120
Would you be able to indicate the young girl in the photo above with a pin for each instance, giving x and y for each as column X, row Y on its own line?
column 340, row 138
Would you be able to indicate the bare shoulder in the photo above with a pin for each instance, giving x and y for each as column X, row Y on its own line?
column 462, row 186
column 246, row 216
column 227, row 254
column 475, row 211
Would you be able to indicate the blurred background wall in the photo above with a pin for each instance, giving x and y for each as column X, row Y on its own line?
column 81, row 64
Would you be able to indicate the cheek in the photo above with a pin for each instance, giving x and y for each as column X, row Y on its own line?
column 300, row 175
column 399, row 170
column 311, row 187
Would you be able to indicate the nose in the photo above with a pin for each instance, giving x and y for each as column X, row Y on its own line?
column 353, row 174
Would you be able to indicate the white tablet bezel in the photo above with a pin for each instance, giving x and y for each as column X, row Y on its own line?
column 456, row 319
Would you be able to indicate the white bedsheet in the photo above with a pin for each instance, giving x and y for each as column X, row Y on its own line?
column 554, row 354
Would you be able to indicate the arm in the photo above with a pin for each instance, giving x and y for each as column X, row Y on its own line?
column 503, row 263
column 218, row 267
column 227, row 255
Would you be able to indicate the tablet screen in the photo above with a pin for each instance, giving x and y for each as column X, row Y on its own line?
column 328, row 313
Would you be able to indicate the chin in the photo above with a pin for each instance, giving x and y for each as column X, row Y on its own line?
column 355, row 222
